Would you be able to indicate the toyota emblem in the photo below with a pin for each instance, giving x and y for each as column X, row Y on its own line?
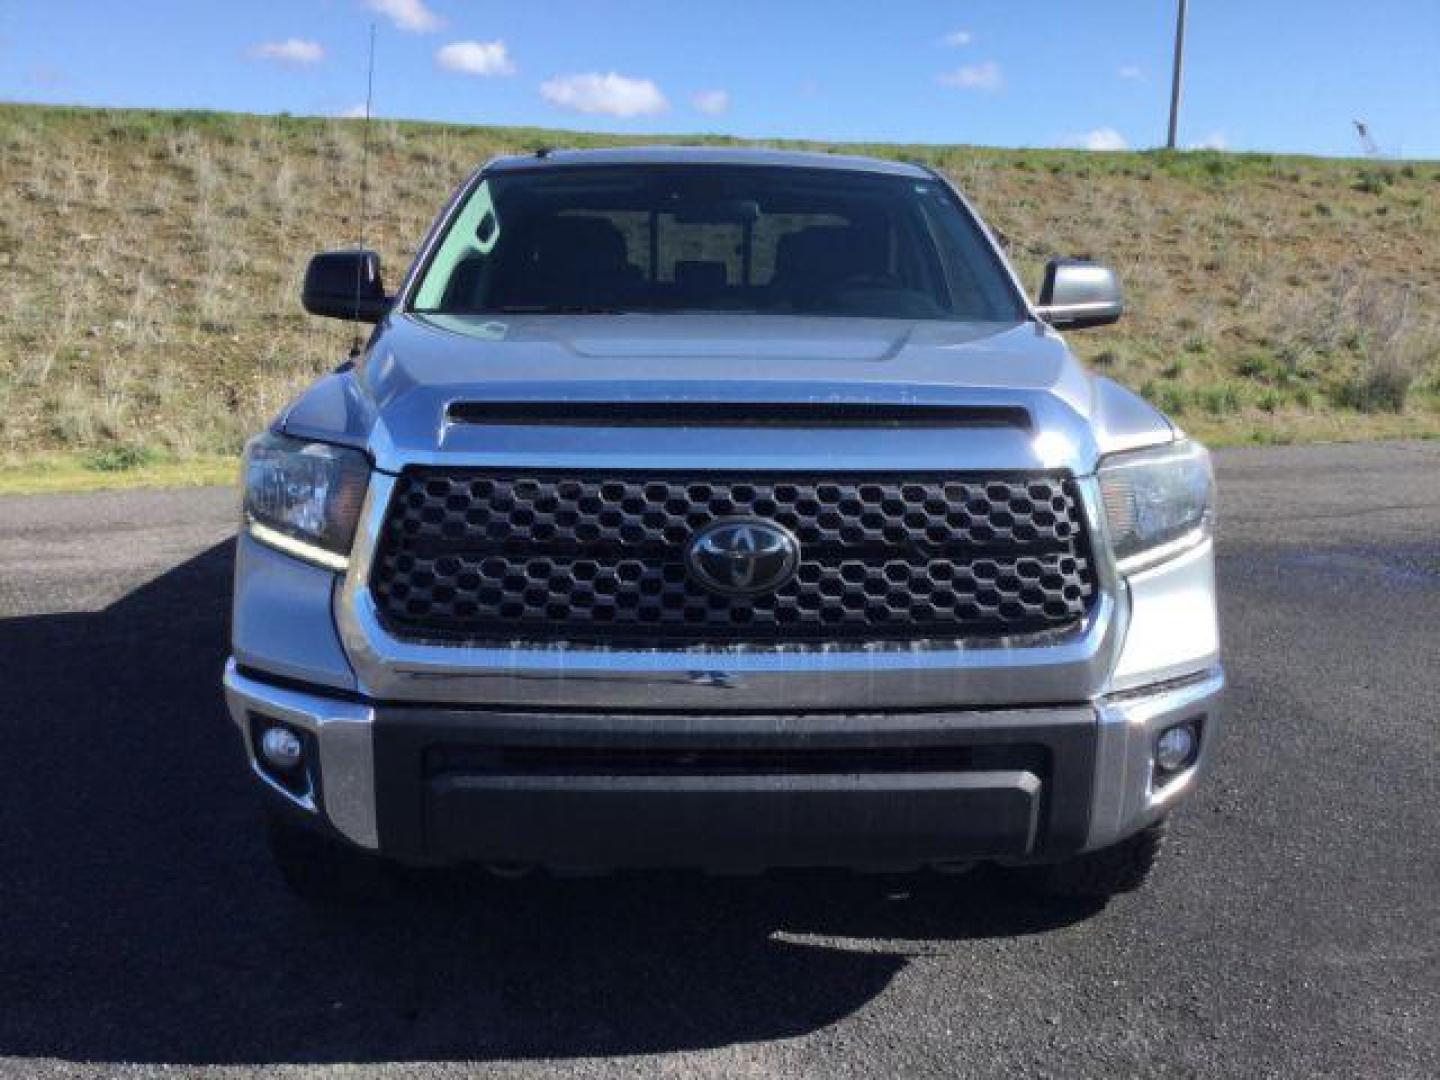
column 743, row 556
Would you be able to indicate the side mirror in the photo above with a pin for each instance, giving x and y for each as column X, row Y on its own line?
column 345, row 285
column 1077, row 293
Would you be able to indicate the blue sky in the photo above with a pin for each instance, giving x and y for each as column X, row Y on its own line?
column 1284, row 75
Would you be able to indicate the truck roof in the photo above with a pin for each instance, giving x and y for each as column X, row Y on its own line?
column 705, row 155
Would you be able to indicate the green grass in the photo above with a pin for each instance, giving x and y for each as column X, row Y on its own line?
column 74, row 472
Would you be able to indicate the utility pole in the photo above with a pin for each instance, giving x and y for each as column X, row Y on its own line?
column 1179, row 68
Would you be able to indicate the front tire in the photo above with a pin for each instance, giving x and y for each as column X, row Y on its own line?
column 1110, row 871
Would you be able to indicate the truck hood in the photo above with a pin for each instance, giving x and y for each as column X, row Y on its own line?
column 400, row 400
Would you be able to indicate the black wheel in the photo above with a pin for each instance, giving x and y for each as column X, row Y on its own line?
column 316, row 869
column 1120, row 868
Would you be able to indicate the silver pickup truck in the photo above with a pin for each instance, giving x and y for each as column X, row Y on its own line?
column 723, row 509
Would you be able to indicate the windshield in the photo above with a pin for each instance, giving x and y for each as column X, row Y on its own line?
column 707, row 238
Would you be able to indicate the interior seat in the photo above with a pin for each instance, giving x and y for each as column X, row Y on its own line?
column 698, row 280
column 810, row 262
column 571, row 260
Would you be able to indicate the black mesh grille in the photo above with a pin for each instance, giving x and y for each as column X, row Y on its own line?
column 541, row 556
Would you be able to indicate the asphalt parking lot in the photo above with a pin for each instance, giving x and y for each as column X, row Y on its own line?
column 1293, row 929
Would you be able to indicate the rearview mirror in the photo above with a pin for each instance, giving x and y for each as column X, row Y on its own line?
column 1077, row 293
column 345, row 285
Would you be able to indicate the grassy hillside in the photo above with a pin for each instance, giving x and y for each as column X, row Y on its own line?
column 152, row 264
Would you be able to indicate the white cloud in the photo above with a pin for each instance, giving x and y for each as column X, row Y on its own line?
column 410, row 15
column 957, row 38
column 476, row 58
column 1105, row 138
column 1132, row 73
column 290, row 51
column 1216, row 140
column 607, row 95
column 986, row 77
column 353, row 112
column 711, row 102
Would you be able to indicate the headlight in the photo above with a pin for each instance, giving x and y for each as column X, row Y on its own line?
column 304, row 497
column 1158, row 502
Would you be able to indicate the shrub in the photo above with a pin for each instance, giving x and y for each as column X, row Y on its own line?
column 1372, row 392
column 1220, row 400
column 1377, row 390
column 1254, row 365
column 1168, row 397
column 1393, row 352
column 121, row 458
column 1373, row 181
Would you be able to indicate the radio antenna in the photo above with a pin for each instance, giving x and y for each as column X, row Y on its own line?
column 360, row 268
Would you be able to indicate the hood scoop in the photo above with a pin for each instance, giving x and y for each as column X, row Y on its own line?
column 726, row 414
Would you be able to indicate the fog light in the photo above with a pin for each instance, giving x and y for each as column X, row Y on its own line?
column 281, row 748
column 1175, row 749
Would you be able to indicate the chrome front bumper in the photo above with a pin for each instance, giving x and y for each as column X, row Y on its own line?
column 1123, row 796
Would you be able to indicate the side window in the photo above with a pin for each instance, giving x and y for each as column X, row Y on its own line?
column 474, row 235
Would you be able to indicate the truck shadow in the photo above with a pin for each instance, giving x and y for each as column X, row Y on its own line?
column 142, row 921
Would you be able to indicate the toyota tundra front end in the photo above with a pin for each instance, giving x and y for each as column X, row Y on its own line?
column 727, row 510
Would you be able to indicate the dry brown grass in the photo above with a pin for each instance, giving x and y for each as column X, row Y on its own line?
column 152, row 262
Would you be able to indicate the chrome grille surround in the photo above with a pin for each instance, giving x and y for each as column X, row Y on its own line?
column 481, row 555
